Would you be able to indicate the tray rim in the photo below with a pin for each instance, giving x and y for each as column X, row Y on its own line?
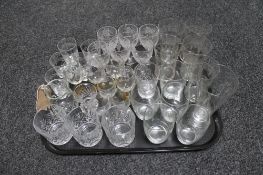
column 215, row 138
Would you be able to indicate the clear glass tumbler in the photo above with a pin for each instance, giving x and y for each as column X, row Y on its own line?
column 58, row 63
column 119, row 125
column 142, row 54
column 47, row 124
column 85, row 127
column 74, row 74
column 84, row 91
column 69, row 50
column 140, row 105
column 107, row 87
column 158, row 128
column 193, row 125
column 128, row 35
column 51, row 74
column 147, row 76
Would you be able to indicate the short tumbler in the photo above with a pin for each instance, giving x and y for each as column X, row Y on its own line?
column 119, row 125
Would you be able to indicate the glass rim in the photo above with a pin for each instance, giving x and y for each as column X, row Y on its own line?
column 125, row 25
column 136, row 88
column 61, row 42
column 90, row 85
column 95, row 50
column 86, row 42
column 104, row 27
column 149, row 24
column 52, row 71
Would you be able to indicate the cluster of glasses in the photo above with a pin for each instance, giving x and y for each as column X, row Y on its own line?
column 161, row 74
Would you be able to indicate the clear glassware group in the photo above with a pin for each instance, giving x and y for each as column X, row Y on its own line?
column 164, row 75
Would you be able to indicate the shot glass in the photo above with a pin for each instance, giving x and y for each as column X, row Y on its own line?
column 58, row 63
column 146, row 79
column 128, row 35
column 50, row 126
column 109, row 35
column 142, row 54
column 51, row 74
column 144, row 107
column 69, row 50
column 118, row 123
column 148, row 35
column 126, row 80
column 157, row 128
column 194, row 124
column 85, row 127
column 107, row 87
column 97, row 54
column 84, row 46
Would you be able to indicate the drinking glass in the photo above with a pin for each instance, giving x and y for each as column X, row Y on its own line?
column 74, row 74
column 157, row 128
column 107, row 87
column 143, row 54
column 222, row 88
column 120, row 54
column 51, row 74
column 69, row 50
column 126, row 80
column 109, row 35
column 97, row 75
column 128, row 35
column 58, row 63
column 148, row 35
column 174, row 97
column 191, row 71
column 84, row 91
column 51, row 127
column 167, row 48
column 97, row 54
column 195, row 48
column 169, row 72
column 113, row 71
column 193, row 125
column 140, row 105
column 172, row 26
column 121, row 97
column 103, row 105
column 85, row 127
column 57, row 89
column 146, row 79
column 84, row 46
column 119, row 125
column 198, row 26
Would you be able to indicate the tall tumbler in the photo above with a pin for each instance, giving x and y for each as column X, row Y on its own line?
column 146, row 79
column 158, row 128
column 119, row 125
column 51, row 127
column 222, row 88
column 193, row 125
column 85, row 127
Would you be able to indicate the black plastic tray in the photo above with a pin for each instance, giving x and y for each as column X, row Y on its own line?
column 141, row 144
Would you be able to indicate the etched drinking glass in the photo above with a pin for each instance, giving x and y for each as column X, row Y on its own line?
column 157, row 128
column 140, row 105
column 85, row 127
column 69, row 50
column 74, row 74
column 96, row 76
column 97, row 54
column 107, row 87
column 50, row 126
column 119, row 125
column 51, row 74
column 58, row 63
column 142, row 54
column 84, row 91
column 120, row 55
column 193, row 125
column 128, row 35
column 126, row 80
column 148, row 35
column 146, row 79
column 109, row 35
